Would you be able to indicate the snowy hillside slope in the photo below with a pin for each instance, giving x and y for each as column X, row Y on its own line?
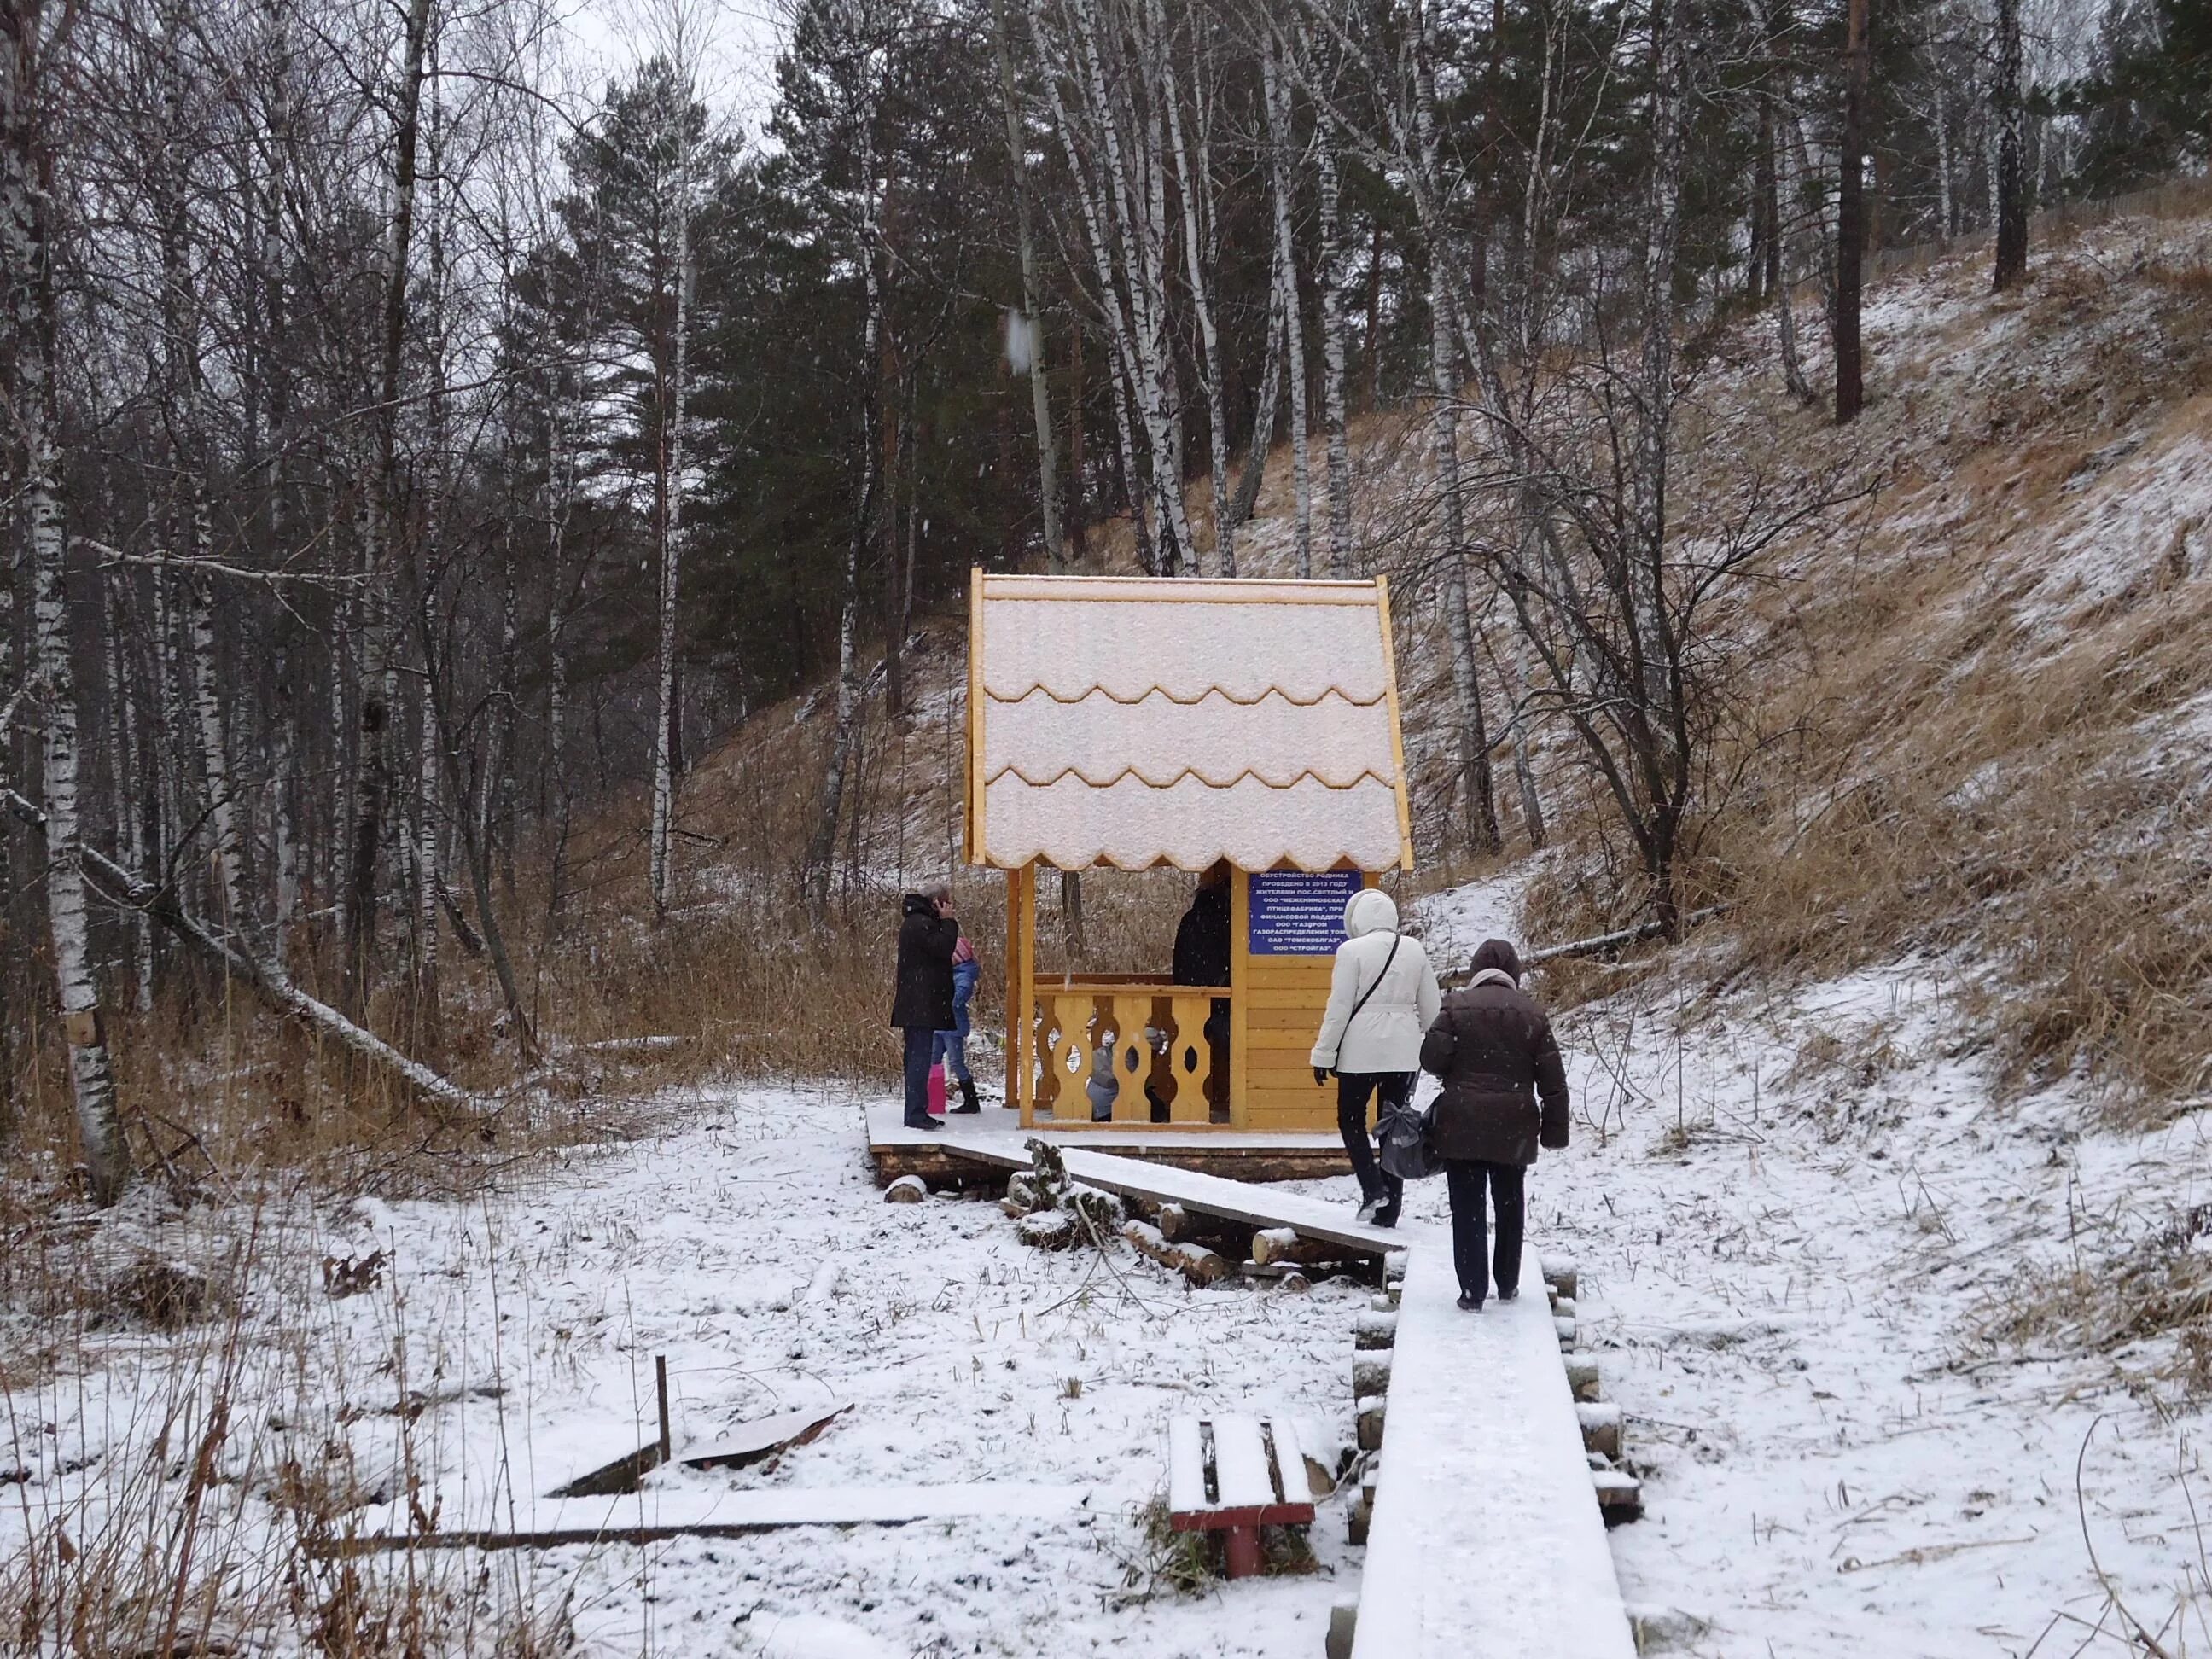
column 1897, row 1355
column 1984, row 685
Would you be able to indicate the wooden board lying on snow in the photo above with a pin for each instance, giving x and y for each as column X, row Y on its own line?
column 1234, row 1201
column 1248, row 1155
column 648, row 1517
column 748, row 1442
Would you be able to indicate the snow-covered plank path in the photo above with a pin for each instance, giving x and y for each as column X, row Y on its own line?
column 1242, row 1201
column 1486, row 1539
column 1486, row 1542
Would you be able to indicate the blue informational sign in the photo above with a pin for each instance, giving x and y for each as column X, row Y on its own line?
column 1296, row 915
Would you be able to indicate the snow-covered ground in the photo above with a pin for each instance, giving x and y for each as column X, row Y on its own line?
column 528, row 1325
column 1790, row 1281
column 1797, row 1222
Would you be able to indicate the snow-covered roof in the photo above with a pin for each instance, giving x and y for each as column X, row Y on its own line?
column 1137, row 720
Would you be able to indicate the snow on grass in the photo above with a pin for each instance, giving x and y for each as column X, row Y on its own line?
column 1454, row 921
column 1794, row 1231
column 524, row 1329
column 1804, row 1227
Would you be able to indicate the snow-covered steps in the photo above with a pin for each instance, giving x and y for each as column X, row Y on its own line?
column 1483, row 1542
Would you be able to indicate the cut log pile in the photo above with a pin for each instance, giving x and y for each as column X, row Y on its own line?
column 1199, row 1265
column 1053, row 1211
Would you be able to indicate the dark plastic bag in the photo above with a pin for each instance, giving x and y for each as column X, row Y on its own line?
column 1402, row 1138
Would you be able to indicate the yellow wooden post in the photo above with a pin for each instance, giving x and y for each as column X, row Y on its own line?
column 1017, row 992
column 1397, row 733
column 1133, row 1057
column 1023, row 992
column 1190, row 1063
column 1240, row 980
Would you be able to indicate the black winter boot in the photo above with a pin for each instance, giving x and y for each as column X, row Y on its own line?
column 968, row 1101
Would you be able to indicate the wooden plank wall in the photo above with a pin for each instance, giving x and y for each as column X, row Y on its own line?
column 1276, row 1008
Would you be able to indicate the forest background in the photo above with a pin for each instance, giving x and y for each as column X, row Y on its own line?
column 417, row 470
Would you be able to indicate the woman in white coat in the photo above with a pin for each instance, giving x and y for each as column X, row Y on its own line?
column 1382, row 997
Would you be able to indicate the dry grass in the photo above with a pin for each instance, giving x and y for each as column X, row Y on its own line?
column 1962, row 753
column 2150, row 1301
column 140, row 1524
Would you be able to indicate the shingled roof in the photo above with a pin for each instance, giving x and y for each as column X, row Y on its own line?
column 1138, row 722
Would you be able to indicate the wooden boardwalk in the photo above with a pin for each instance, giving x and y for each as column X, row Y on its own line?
column 1248, row 1202
column 1486, row 1541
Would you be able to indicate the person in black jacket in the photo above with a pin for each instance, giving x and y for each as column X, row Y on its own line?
column 1202, row 957
column 922, row 1004
column 1492, row 1047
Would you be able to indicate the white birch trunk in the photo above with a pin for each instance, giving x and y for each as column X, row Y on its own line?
column 378, row 663
column 1943, row 162
column 672, row 549
column 181, row 321
column 1136, row 210
column 1664, row 221
column 1332, row 362
column 430, row 808
column 26, row 193
column 284, row 827
column 127, row 776
column 429, row 803
column 1032, row 320
column 1097, row 236
column 501, row 796
column 1477, row 800
column 1263, row 416
column 1198, row 244
column 343, row 672
column 1276, row 89
column 1524, row 761
column 822, row 849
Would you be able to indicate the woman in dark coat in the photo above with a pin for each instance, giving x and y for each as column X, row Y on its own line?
column 1492, row 1047
column 921, row 1004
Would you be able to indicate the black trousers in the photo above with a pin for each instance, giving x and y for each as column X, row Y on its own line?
column 1353, row 1089
column 1465, row 1181
column 920, row 1055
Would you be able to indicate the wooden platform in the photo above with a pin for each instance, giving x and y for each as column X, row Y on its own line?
column 1486, row 1541
column 997, row 1137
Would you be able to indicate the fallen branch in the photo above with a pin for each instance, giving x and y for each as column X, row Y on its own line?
column 271, row 984
column 115, row 556
column 1594, row 946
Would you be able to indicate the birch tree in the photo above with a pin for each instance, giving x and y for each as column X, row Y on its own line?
column 1850, row 216
column 1025, row 331
column 1328, row 278
column 1280, row 171
column 30, row 87
column 1477, row 793
column 680, row 52
column 380, row 517
column 2009, row 169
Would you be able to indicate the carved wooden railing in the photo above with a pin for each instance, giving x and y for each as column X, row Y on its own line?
column 1157, row 1033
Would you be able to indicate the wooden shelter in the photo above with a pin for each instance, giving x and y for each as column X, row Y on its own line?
column 1135, row 722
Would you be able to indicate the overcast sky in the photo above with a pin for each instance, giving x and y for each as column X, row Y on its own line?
column 737, row 71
